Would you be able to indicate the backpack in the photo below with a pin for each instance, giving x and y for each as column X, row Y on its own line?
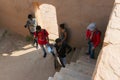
column 98, row 31
column 45, row 31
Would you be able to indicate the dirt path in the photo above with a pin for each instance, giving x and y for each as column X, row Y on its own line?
column 20, row 61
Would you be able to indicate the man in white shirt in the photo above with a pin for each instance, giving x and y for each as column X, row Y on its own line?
column 31, row 24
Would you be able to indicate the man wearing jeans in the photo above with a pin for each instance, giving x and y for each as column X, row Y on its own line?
column 43, row 39
column 93, row 37
column 61, row 49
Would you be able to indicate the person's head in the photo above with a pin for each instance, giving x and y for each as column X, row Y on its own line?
column 62, row 27
column 92, row 26
column 30, row 16
column 38, row 28
column 58, row 41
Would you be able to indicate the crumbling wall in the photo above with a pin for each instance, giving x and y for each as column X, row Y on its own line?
column 77, row 14
column 108, row 66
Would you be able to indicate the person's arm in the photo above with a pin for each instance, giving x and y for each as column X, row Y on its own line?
column 65, row 36
column 34, row 22
column 46, row 34
column 97, row 40
column 91, row 36
column 88, row 33
column 47, row 39
column 35, row 35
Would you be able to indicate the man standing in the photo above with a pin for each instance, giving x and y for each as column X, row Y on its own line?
column 64, row 35
column 93, row 37
column 31, row 25
column 43, row 39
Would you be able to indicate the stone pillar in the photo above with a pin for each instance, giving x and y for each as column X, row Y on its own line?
column 108, row 65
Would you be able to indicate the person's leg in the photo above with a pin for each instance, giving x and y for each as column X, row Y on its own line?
column 53, row 53
column 35, row 41
column 52, row 50
column 42, row 47
column 63, row 61
column 92, row 52
column 89, row 48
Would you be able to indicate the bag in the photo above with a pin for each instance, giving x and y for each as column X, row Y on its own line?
column 98, row 31
column 49, row 49
column 57, row 63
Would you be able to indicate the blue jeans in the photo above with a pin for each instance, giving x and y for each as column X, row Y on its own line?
column 63, row 61
column 43, row 48
column 90, row 50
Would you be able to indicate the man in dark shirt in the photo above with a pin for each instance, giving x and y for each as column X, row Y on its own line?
column 61, row 49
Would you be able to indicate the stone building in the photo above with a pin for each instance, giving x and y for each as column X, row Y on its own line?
column 108, row 64
column 77, row 14
column 50, row 13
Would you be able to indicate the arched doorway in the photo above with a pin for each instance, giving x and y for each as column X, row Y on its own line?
column 47, row 18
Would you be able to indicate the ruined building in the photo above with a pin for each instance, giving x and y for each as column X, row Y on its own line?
column 77, row 14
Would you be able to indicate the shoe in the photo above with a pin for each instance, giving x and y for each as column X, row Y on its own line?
column 45, row 55
column 87, row 53
column 53, row 54
column 37, row 47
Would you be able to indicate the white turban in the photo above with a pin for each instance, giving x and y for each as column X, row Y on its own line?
column 91, row 26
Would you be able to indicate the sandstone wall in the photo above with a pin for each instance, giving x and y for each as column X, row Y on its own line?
column 77, row 14
column 108, row 66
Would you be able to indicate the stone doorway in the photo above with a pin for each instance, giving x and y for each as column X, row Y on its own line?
column 47, row 18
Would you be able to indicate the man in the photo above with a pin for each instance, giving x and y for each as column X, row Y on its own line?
column 43, row 39
column 93, row 37
column 61, row 51
column 64, row 35
column 31, row 25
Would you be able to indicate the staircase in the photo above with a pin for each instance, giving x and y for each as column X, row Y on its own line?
column 81, row 68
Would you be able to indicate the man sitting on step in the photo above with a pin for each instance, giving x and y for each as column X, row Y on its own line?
column 61, row 49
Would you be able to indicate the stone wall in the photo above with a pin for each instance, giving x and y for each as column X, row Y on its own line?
column 77, row 14
column 108, row 66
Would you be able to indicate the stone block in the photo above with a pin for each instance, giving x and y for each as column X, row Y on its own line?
column 112, row 36
column 74, row 74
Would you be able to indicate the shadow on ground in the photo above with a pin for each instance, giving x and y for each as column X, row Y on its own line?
column 20, row 61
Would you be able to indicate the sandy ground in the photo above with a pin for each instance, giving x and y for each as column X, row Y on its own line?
column 20, row 61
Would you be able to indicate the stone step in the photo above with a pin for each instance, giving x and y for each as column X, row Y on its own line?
column 72, row 63
column 50, row 78
column 2, row 32
column 81, row 68
column 69, row 56
column 74, row 74
column 87, row 59
column 85, row 63
column 60, row 76
column 82, row 52
column 75, row 55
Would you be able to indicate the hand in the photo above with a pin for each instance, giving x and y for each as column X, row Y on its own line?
column 25, row 26
column 93, row 48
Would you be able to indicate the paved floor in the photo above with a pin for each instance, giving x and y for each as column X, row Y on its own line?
column 20, row 61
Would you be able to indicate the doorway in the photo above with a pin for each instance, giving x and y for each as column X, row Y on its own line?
column 47, row 18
